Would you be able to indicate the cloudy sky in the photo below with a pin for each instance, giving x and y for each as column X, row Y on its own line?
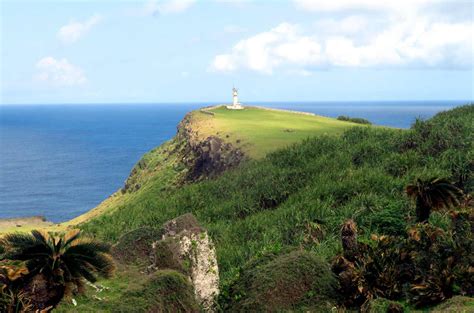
column 194, row 51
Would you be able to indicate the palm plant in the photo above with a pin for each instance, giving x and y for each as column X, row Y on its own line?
column 57, row 263
column 433, row 194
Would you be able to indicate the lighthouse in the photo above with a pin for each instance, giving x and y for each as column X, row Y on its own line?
column 235, row 100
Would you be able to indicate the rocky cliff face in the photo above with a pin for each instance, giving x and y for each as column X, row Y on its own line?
column 205, row 158
column 190, row 156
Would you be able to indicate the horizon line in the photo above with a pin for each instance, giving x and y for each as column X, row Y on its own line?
column 468, row 101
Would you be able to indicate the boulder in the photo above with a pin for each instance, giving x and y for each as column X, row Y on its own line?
column 187, row 248
column 182, row 245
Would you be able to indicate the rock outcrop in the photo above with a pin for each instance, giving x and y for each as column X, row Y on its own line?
column 207, row 157
column 181, row 244
column 191, row 156
column 185, row 246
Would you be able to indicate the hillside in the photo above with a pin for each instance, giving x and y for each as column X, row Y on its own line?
column 300, row 195
column 211, row 140
column 275, row 220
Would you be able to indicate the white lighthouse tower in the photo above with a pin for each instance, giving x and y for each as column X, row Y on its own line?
column 235, row 100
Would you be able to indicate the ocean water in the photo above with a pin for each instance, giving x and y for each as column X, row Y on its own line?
column 59, row 161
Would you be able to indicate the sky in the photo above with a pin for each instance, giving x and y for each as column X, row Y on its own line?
column 196, row 51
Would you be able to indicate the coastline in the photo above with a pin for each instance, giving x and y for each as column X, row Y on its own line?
column 23, row 223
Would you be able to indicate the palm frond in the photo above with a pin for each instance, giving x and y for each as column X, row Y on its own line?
column 434, row 193
column 70, row 237
column 87, row 247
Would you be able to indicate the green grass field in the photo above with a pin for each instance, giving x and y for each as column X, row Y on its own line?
column 258, row 131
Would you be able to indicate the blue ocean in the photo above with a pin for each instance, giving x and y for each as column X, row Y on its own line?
column 59, row 161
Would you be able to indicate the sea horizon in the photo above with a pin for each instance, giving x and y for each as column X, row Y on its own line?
column 249, row 102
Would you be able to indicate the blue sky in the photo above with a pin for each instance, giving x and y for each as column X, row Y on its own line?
column 194, row 51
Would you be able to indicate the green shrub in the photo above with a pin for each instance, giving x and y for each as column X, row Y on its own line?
column 457, row 304
column 166, row 291
column 295, row 280
column 135, row 246
column 390, row 221
column 357, row 120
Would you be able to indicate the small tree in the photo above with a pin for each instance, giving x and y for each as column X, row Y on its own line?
column 56, row 264
column 433, row 194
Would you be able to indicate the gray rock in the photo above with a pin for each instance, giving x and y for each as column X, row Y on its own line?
column 186, row 247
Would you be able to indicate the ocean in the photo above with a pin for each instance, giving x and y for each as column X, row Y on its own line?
column 60, row 161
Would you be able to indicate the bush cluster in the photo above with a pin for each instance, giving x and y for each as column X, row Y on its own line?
column 357, row 120
column 425, row 267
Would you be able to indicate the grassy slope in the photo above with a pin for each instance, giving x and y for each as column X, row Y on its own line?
column 279, row 200
column 159, row 171
column 259, row 131
column 299, row 196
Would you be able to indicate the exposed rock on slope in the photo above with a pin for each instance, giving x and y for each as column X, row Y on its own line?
column 181, row 245
column 205, row 157
column 188, row 155
column 194, row 250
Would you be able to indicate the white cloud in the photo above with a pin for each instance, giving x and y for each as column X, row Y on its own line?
column 74, row 30
column 154, row 7
column 367, row 5
column 406, row 38
column 59, row 72
column 265, row 51
column 454, row 10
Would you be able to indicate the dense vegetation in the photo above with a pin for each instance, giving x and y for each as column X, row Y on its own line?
column 300, row 196
column 357, row 120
